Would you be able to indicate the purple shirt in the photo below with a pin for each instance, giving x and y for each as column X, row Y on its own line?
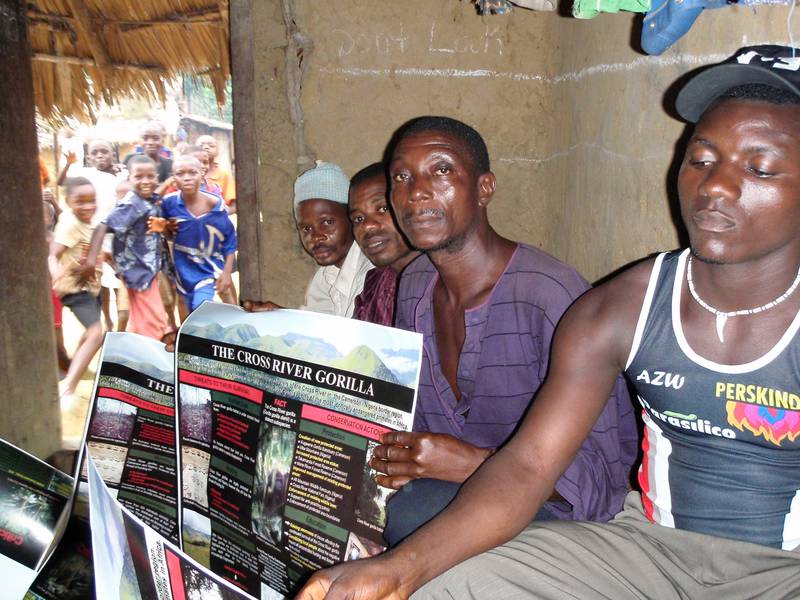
column 502, row 364
column 375, row 303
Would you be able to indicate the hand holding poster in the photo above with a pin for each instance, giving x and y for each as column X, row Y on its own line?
column 278, row 413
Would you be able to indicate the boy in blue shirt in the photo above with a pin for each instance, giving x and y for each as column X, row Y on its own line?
column 205, row 239
column 136, row 249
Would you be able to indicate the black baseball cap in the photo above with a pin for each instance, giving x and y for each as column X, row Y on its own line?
column 778, row 66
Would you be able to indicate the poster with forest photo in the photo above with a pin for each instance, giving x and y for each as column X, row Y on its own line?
column 278, row 413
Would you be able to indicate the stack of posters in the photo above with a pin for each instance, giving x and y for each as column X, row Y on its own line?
column 132, row 561
column 230, row 469
column 130, row 429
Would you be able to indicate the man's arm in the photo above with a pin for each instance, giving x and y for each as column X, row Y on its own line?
column 501, row 498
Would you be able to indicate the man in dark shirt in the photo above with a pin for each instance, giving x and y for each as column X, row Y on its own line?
column 376, row 234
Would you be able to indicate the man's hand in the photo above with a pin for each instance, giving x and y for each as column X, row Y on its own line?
column 404, row 455
column 70, row 158
column 368, row 579
column 257, row 306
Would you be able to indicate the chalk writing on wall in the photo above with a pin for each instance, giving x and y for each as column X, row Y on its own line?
column 385, row 43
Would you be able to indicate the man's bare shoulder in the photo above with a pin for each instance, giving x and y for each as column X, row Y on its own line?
column 628, row 287
column 609, row 312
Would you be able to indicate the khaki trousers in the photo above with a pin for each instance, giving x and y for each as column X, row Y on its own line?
column 626, row 558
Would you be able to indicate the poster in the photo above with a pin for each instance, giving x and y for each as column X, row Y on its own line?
column 131, row 429
column 33, row 499
column 133, row 562
column 67, row 574
column 278, row 413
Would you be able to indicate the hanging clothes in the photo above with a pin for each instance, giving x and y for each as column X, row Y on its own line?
column 499, row 7
column 493, row 7
column 668, row 20
column 589, row 9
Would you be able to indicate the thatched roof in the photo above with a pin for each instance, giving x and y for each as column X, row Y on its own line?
column 87, row 51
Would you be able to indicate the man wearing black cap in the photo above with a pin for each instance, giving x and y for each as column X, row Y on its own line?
column 709, row 338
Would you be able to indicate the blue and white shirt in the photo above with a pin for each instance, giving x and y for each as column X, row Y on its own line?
column 137, row 254
column 202, row 243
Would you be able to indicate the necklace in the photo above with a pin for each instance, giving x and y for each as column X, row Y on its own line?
column 722, row 317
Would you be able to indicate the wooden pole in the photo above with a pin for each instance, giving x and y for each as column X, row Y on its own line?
column 29, row 410
column 250, row 233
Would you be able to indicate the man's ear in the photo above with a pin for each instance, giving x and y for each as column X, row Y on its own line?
column 487, row 183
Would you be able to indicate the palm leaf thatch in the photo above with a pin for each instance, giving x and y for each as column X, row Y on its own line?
column 86, row 52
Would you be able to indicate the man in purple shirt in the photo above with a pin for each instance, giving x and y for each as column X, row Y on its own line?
column 487, row 308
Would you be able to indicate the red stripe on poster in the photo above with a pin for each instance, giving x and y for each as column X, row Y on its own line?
column 106, row 392
column 222, row 385
column 344, row 422
column 175, row 575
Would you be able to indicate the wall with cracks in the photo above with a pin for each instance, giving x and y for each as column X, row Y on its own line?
column 577, row 122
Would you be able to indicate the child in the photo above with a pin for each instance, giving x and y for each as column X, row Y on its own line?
column 58, row 308
column 136, row 251
column 202, row 155
column 217, row 174
column 121, row 189
column 102, row 173
column 78, row 288
column 169, row 187
column 205, row 239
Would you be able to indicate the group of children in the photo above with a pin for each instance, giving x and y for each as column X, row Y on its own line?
column 178, row 226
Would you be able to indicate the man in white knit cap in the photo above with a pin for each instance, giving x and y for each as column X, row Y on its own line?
column 323, row 224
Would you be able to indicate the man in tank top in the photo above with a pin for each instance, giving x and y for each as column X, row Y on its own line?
column 708, row 337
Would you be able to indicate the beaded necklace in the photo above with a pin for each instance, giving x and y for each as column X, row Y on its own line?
column 722, row 317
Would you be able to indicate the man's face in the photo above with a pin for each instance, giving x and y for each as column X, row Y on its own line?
column 144, row 179
column 739, row 183
column 100, row 155
column 373, row 225
column 324, row 231
column 435, row 191
column 188, row 175
column 83, row 203
column 152, row 141
column 209, row 144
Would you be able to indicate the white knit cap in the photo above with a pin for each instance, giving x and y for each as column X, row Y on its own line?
column 326, row 181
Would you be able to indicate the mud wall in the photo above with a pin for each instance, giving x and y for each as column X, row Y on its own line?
column 574, row 116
